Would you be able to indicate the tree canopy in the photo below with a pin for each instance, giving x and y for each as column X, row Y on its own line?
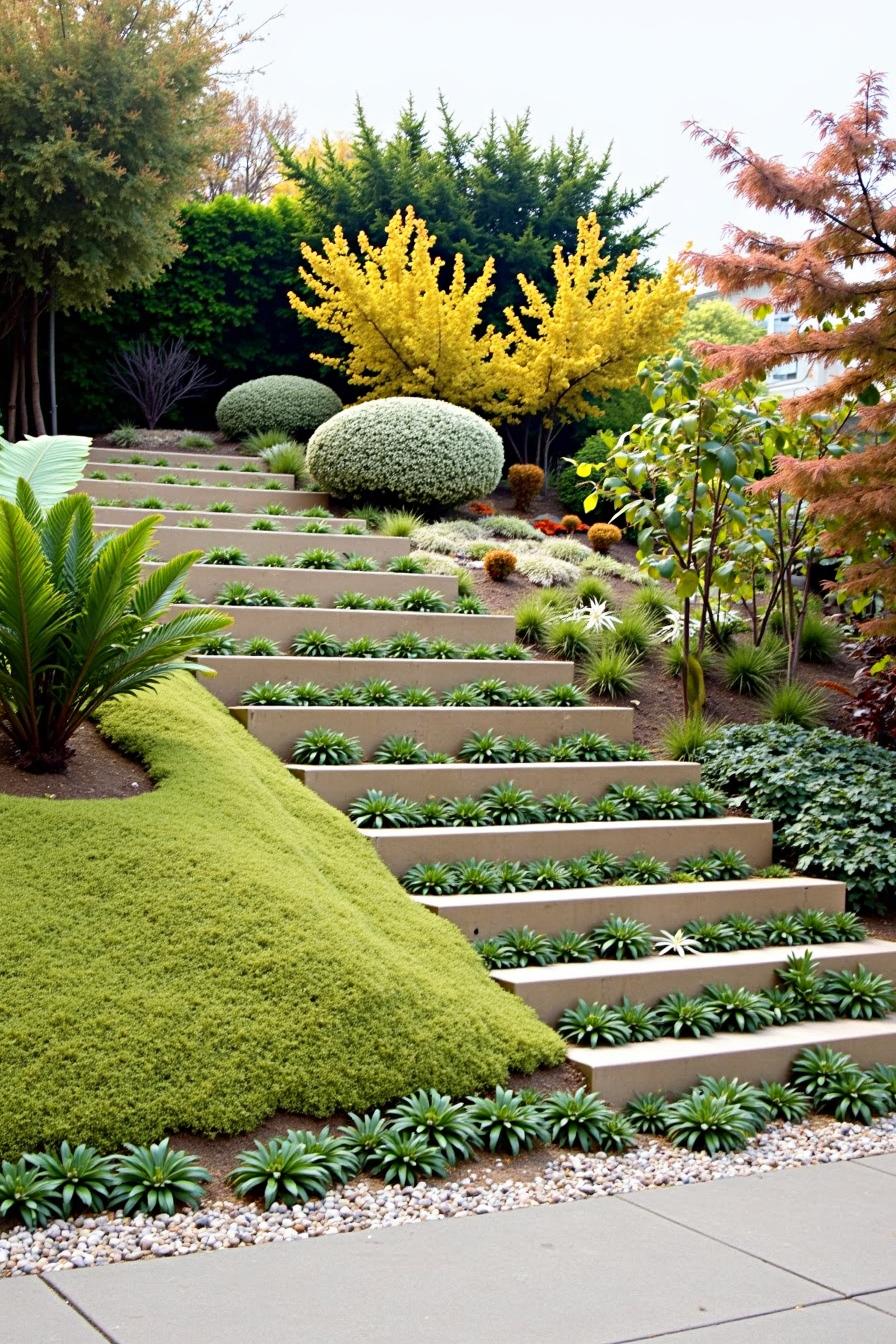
column 718, row 322
column 488, row 194
column 107, row 112
column 839, row 277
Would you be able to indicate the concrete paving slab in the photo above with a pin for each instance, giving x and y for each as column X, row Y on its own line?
column 834, row 1224
column 885, row 1162
column 885, row 1302
column 839, row 1322
column 31, row 1313
column 595, row 1272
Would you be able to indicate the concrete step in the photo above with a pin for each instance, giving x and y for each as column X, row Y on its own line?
column 666, row 840
column 171, row 541
column 283, row 623
column 342, row 784
column 206, row 581
column 669, row 1065
column 441, row 729
column 234, row 672
column 227, row 480
column 247, row 500
column 234, row 522
column 150, row 457
column 549, row 990
column 665, row 906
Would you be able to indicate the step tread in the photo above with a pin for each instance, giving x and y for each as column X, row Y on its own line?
column 718, row 966
column 477, row 900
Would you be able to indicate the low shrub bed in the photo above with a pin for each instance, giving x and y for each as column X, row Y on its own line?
column 803, row 995
column 381, row 691
column 832, row 799
column 428, row 1132
column 329, row 746
column 228, row 946
column 592, row 870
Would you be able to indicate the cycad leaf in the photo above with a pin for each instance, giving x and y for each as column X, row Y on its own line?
column 31, row 611
column 51, row 464
column 155, row 593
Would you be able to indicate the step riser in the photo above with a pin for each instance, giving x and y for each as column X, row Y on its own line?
column 662, row 907
column 673, row 1066
column 549, row 990
column 170, row 541
column 235, row 522
column 206, row 581
column 666, row 840
column 340, row 785
column 120, row 457
column 284, row 623
column 227, row 480
column 438, row 729
column 235, row 673
column 199, row 495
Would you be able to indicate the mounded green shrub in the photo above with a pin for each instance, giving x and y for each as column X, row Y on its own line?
column 281, row 401
column 227, row 946
column 410, row 449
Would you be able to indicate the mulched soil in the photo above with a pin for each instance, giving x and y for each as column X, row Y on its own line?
column 96, row 770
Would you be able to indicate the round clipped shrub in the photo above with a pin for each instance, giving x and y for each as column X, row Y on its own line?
column 524, row 482
column 412, row 449
column 296, row 406
column 499, row 565
column 602, row 536
column 571, row 522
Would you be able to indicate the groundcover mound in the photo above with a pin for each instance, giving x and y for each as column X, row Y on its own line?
column 221, row 948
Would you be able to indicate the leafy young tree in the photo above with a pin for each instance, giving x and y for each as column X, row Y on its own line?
column 718, row 322
column 839, row 277
column 492, row 194
column 248, row 164
column 107, row 112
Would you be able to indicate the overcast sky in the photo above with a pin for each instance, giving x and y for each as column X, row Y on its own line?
column 626, row 72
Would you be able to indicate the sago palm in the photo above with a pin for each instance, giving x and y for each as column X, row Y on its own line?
column 77, row 625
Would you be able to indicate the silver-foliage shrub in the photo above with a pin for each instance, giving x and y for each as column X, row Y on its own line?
column 281, row 401
column 412, row 449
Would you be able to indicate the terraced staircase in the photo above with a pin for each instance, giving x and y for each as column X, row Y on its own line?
column 618, row 1072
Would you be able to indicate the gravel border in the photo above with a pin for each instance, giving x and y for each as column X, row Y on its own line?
column 107, row 1239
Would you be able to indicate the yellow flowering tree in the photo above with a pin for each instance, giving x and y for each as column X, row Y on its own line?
column 406, row 334
column 568, row 352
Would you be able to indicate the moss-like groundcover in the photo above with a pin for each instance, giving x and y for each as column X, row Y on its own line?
column 221, row 948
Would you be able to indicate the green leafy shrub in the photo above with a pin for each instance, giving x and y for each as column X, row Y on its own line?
column 415, row 450
column 292, row 406
column 592, row 1024
column 77, row 625
column 155, row 1178
column 27, row 1193
column 402, row 1158
column 281, row 1171
column 712, row 1123
column 648, row 1112
column 443, row 1123
column 508, row 1122
column 83, row 1177
column 832, row 800
column 326, row 746
column 576, row 1119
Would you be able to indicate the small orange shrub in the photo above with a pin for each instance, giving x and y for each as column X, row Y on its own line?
column 570, row 522
column 524, row 480
column 481, row 508
column 499, row 565
column 602, row 536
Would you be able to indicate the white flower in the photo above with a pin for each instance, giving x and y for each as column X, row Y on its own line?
column 596, row 616
column 673, row 630
column 679, row 943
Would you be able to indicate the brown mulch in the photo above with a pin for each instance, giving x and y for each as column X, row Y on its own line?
column 96, row 770
column 168, row 441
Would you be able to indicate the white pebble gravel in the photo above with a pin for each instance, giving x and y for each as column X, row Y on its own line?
column 108, row 1238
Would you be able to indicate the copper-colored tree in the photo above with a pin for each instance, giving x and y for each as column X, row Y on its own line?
column 839, row 278
column 247, row 164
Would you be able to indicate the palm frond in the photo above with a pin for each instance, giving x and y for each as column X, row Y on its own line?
column 52, row 464
column 153, row 596
column 32, row 612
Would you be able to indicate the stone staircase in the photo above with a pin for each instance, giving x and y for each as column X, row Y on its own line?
column 618, row 1072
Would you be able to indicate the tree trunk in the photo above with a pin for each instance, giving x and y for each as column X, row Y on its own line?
column 686, row 656
column 51, row 355
column 13, row 398
column 37, row 415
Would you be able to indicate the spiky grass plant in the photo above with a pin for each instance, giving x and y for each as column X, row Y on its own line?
column 507, row 1122
column 793, row 702
column 785, row 1102
column 612, row 672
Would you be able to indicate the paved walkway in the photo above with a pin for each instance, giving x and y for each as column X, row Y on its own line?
column 787, row 1258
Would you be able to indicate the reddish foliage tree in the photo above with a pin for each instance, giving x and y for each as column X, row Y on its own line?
column 839, row 279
